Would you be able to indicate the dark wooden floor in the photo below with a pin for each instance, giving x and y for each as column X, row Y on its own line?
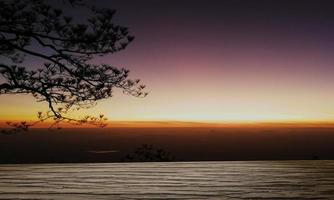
column 183, row 180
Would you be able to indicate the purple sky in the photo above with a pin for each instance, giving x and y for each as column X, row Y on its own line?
column 233, row 60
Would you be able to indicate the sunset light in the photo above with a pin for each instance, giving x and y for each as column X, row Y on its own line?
column 166, row 99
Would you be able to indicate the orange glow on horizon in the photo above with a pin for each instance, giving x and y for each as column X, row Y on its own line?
column 123, row 111
column 187, row 124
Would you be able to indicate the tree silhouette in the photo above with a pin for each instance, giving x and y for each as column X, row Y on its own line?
column 67, row 80
column 148, row 153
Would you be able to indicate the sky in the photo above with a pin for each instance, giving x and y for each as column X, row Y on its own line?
column 218, row 61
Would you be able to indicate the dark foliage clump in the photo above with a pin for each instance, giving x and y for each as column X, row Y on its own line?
column 148, row 153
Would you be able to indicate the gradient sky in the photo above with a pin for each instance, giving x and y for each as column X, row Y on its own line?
column 222, row 61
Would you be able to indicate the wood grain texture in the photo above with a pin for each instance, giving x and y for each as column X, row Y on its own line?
column 180, row 180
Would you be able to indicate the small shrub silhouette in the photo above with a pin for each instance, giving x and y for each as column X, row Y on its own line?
column 148, row 153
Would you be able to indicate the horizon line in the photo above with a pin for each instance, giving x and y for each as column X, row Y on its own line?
column 183, row 123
